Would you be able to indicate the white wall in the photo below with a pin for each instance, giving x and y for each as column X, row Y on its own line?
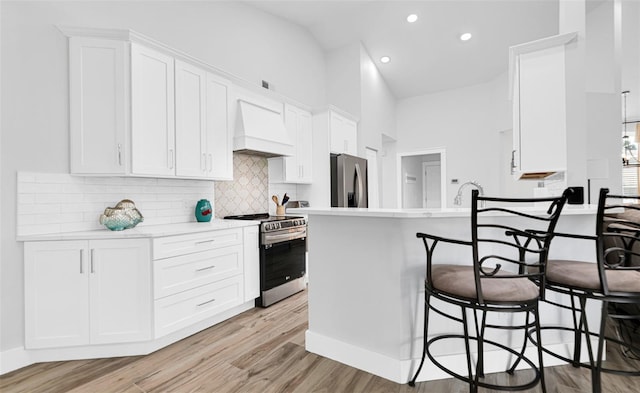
column 35, row 126
column 377, row 106
column 466, row 122
column 343, row 78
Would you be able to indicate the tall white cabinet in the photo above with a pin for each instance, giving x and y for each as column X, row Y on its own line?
column 297, row 168
column 87, row 292
column 140, row 108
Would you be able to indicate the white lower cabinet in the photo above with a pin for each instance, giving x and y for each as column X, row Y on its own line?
column 197, row 276
column 80, row 293
column 87, row 292
column 188, row 307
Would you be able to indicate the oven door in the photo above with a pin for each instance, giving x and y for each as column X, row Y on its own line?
column 282, row 262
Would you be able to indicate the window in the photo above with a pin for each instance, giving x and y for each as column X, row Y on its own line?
column 630, row 168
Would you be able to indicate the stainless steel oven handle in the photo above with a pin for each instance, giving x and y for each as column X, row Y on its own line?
column 270, row 239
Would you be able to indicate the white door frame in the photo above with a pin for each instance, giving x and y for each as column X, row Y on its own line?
column 443, row 172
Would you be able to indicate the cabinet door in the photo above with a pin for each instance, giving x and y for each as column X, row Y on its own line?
column 120, row 291
column 251, row 264
column 336, row 129
column 343, row 134
column 219, row 152
column 98, row 105
column 350, row 135
column 290, row 164
column 191, row 155
column 56, row 294
column 153, row 128
column 304, row 147
column 541, row 111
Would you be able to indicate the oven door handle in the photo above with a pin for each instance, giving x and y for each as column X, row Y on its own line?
column 272, row 239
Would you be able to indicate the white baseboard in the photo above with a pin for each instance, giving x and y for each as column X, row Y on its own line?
column 401, row 370
column 14, row 359
column 17, row 358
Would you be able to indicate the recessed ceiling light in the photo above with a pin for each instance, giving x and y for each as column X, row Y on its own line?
column 465, row 37
column 412, row 18
column 385, row 59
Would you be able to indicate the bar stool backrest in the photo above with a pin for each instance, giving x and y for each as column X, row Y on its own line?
column 618, row 242
column 511, row 238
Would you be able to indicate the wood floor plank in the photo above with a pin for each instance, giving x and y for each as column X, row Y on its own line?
column 260, row 351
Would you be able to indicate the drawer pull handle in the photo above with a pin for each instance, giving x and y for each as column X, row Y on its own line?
column 206, row 241
column 205, row 268
column 207, row 302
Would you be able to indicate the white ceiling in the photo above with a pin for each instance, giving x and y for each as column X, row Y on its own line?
column 426, row 56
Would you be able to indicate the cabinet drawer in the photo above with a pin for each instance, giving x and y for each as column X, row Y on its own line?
column 186, row 308
column 177, row 274
column 187, row 244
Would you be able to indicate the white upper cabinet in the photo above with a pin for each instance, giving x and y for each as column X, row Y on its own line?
column 218, row 153
column 538, row 77
column 98, row 105
column 296, row 168
column 152, row 113
column 343, row 134
column 191, row 157
column 139, row 108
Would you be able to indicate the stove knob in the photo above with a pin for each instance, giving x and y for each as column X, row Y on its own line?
column 267, row 227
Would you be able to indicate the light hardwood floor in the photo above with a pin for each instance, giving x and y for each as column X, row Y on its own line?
column 261, row 351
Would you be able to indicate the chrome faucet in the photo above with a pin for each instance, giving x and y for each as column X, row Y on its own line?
column 458, row 199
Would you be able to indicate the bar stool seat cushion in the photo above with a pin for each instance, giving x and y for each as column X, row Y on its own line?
column 579, row 274
column 458, row 280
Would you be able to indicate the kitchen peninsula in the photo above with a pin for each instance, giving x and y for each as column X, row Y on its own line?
column 366, row 274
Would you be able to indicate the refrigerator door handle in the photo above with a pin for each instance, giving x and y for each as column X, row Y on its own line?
column 359, row 187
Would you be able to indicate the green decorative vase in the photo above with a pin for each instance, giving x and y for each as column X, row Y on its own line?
column 203, row 211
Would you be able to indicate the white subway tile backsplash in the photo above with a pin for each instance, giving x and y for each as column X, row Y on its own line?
column 54, row 202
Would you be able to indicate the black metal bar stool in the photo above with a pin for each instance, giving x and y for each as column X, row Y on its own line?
column 614, row 280
column 504, row 241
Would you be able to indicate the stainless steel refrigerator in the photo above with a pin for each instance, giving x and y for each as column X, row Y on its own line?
column 348, row 181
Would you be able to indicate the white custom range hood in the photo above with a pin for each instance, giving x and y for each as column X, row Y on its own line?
column 260, row 130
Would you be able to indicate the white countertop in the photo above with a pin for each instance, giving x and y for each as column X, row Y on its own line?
column 425, row 213
column 142, row 231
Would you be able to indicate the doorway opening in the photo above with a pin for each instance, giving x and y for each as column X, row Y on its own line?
column 421, row 179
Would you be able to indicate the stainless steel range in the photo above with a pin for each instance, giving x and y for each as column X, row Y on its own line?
column 283, row 246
